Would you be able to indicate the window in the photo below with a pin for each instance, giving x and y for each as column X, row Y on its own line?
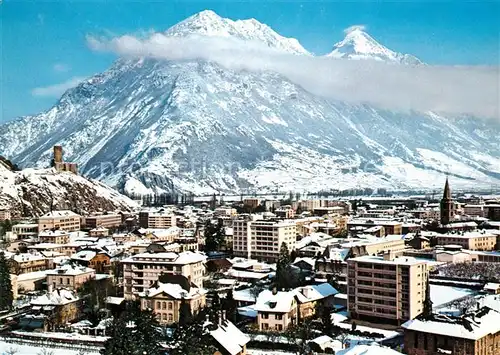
column 158, row 305
column 169, row 306
column 170, row 317
column 278, row 316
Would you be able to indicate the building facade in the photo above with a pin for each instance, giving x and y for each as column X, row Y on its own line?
column 385, row 288
column 111, row 220
column 262, row 239
column 158, row 219
column 62, row 220
column 141, row 271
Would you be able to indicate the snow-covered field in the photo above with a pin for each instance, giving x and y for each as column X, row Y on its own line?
column 440, row 295
column 36, row 350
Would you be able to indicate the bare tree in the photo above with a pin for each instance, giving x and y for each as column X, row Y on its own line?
column 11, row 351
column 45, row 351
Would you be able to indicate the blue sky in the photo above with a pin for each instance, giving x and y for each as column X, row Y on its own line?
column 43, row 42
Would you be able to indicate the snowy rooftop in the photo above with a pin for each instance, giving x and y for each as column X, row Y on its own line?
column 314, row 292
column 183, row 258
column 230, row 337
column 55, row 298
column 69, row 269
column 173, row 290
column 84, row 255
column 281, row 302
column 403, row 260
column 483, row 323
column 62, row 213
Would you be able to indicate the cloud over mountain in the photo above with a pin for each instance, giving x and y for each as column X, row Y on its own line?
column 445, row 89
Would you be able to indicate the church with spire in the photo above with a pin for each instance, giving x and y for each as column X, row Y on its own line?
column 447, row 205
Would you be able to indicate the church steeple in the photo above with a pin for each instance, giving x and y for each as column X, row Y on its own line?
column 447, row 206
column 447, row 191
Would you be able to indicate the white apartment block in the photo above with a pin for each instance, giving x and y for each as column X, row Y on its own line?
column 262, row 239
column 63, row 220
column 386, row 289
column 110, row 220
column 159, row 219
column 5, row 215
column 141, row 271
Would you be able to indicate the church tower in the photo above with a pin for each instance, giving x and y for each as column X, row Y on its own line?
column 446, row 205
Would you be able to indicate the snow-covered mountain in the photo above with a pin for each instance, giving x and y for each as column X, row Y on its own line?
column 208, row 23
column 30, row 192
column 358, row 44
column 149, row 125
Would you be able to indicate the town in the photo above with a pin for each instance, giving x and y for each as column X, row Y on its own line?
column 363, row 275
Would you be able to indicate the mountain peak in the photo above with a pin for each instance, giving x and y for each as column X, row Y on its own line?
column 358, row 44
column 208, row 23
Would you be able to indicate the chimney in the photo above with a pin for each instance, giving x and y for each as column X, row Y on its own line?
column 275, row 290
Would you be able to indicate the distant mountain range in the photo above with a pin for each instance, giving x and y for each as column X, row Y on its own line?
column 149, row 125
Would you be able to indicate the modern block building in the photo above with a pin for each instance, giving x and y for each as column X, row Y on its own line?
column 157, row 219
column 111, row 220
column 63, row 220
column 262, row 239
column 385, row 288
column 141, row 271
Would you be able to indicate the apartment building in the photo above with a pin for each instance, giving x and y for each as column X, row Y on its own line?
column 54, row 237
column 63, row 220
column 111, row 220
column 225, row 212
column 69, row 276
column 157, row 219
column 262, row 239
column 475, row 240
column 24, row 263
column 5, row 215
column 385, row 288
column 141, row 271
column 25, row 230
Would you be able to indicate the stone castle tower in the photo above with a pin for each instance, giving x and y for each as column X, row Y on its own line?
column 61, row 165
column 447, row 205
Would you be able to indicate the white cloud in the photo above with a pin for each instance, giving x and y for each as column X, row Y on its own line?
column 56, row 90
column 61, row 67
column 444, row 89
column 354, row 28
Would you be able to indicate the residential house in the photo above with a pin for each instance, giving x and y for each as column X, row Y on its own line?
column 69, row 276
column 100, row 261
column 165, row 299
column 276, row 311
column 54, row 309
column 312, row 296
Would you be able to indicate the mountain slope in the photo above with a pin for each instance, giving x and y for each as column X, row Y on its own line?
column 150, row 126
column 31, row 192
column 358, row 44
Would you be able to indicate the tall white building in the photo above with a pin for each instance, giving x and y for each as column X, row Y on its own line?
column 262, row 239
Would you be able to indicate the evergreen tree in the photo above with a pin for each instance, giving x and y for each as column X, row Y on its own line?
column 214, row 236
column 326, row 321
column 121, row 338
column 293, row 255
column 185, row 314
column 213, row 312
column 282, row 278
column 192, row 337
column 427, row 311
column 6, row 295
column 148, row 333
column 230, row 306
column 134, row 332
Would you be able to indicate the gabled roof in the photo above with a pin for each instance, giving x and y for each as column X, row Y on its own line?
column 314, row 292
column 229, row 337
column 57, row 297
column 281, row 302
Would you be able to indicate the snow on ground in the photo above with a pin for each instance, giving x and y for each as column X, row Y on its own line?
column 35, row 350
column 440, row 295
